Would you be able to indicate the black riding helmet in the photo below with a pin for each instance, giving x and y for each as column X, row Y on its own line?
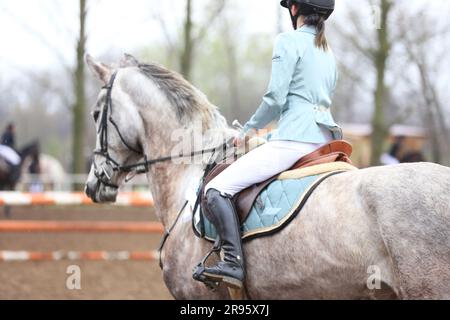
column 308, row 7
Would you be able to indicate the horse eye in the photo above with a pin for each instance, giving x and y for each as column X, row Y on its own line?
column 96, row 114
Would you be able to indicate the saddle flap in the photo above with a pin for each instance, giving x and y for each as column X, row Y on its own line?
column 244, row 201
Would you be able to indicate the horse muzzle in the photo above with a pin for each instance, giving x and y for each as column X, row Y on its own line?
column 98, row 192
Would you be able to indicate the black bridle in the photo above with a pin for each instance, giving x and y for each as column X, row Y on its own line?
column 105, row 173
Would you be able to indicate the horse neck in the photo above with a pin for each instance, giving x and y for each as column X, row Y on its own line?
column 169, row 184
column 27, row 152
column 26, row 160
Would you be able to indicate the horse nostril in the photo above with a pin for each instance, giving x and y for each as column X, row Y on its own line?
column 87, row 191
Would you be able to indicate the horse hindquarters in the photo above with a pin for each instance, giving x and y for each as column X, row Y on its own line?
column 326, row 252
column 412, row 208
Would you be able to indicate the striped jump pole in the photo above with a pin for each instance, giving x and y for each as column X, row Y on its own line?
column 21, row 256
column 135, row 199
column 80, row 226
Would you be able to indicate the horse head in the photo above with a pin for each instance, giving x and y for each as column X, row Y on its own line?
column 139, row 114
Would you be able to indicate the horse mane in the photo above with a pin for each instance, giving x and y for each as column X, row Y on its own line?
column 187, row 101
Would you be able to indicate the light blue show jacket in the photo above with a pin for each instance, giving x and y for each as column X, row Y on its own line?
column 300, row 91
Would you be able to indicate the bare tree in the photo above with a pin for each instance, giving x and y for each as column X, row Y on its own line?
column 192, row 33
column 376, row 49
column 232, row 69
column 186, row 55
column 77, row 74
column 193, row 36
column 80, row 95
column 416, row 46
column 380, row 58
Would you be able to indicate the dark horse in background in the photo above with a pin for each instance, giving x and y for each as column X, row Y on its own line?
column 10, row 174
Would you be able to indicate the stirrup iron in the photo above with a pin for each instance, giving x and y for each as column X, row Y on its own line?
column 200, row 268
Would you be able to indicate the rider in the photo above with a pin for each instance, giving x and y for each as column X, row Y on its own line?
column 8, row 137
column 8, row 152
column 300, row 92
column 7, row 146
column 393, row 156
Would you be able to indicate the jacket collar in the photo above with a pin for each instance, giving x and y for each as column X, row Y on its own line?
column 308, row 29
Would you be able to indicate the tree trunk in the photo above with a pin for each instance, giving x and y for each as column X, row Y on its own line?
column 435, row 116
column 79, row 165
column 430, row 123
column 233, row 72
column 381, row 55
column 186, row 56
column 441, row 120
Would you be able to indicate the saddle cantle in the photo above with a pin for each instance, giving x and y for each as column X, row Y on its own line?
column 336, row 151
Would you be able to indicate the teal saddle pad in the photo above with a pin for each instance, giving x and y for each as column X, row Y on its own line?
column 275, row 207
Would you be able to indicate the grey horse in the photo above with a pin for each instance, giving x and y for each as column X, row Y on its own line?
column 378, row 233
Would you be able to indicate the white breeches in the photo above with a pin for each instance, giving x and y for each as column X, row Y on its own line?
column 9, row 155
column 260, row 164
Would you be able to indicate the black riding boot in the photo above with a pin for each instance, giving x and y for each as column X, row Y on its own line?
column 231, row 270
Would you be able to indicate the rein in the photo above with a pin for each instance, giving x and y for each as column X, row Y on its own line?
column 167, row 234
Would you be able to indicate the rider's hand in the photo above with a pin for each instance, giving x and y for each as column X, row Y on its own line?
column 239, row 141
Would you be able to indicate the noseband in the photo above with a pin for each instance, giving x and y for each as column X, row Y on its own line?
column 105, row 172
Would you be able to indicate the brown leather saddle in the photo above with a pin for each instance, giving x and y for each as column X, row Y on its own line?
column 336, row 151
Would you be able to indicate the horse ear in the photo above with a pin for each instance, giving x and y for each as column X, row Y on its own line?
column 100, row 70
column 129, row 61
